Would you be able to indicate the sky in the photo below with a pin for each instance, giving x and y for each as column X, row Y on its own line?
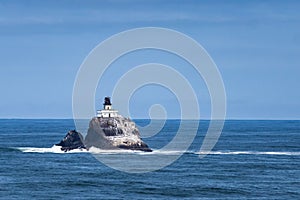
column 255, row 45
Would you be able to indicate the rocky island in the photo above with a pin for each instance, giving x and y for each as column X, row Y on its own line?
column 108, row 131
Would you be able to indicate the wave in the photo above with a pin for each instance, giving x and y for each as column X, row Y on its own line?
column 53, row 149
column 94, row 150
column 288, row 153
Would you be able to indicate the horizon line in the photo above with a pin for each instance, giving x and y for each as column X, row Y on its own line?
column 226, row 119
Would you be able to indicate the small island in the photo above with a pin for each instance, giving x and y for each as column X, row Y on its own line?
column 108, row 131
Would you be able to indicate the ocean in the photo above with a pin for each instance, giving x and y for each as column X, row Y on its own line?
column 253, row 159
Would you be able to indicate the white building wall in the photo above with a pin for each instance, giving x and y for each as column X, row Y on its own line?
column 107, row 113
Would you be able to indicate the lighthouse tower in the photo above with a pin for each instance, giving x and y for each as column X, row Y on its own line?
column 107, row 110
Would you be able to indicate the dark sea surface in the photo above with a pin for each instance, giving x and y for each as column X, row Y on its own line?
column 251, row 160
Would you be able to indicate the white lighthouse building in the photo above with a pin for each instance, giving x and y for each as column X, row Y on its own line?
column 107, row 110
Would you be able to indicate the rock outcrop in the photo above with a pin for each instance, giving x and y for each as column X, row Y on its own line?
column 114, row 133
column 108, row 130
column 106, row 133
column 73, row 140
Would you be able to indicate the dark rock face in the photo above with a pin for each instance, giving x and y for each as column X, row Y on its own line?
column 73, row 140
column 114, row 133
column 142, row 146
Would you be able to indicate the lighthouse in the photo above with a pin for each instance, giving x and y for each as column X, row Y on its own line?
column 107, row 110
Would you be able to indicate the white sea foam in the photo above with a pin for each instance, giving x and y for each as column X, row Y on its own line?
column 94, row 150
column 53, row 149
column 288, row 153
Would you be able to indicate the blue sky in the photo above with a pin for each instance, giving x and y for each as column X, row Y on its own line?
column 255, row 44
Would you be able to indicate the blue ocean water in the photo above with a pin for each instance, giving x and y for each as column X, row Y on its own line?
column 252, row 160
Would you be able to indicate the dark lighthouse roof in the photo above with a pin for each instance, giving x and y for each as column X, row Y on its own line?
column 107, row 101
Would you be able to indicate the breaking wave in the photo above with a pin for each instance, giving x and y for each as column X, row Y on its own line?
column 288, row 153
column 53, row 149
column 56, row 149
